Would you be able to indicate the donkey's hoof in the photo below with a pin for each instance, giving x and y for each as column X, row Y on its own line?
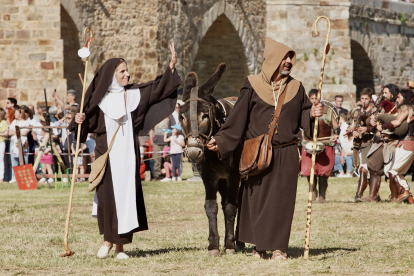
column 230, row 251
column 240, row 246
column 214, row 253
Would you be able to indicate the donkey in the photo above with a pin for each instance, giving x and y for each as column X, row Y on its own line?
column 201, row 116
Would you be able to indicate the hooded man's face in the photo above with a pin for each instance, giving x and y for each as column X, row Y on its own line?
column 285, row 66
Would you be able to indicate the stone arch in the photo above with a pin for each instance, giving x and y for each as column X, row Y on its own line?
column 72, row 64
column 237, row 20
column 363, row 74
column 221, row 43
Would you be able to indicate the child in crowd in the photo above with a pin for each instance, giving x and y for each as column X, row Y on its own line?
column 176, row 148
column 83, row 148
column 3, row 130
column 46, row 160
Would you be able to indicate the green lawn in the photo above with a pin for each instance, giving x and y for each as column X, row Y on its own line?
column 346, row 238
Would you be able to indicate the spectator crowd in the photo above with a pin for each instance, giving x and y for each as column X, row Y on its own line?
column 161, row 150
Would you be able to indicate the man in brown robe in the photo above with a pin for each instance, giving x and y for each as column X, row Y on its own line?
column 268, row 199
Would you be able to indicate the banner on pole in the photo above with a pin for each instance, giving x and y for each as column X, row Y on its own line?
column 25, row 177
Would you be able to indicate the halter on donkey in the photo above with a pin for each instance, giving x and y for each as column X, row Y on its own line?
column 201, row 116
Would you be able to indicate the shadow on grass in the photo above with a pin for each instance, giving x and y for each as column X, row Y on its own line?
column 149, row 253
column 297, row 252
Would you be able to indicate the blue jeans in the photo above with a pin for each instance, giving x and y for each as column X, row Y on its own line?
column 348, row 161
column 91, row 145
column 176, row 164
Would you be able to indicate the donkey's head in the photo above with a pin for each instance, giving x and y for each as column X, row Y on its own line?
column 199, row 113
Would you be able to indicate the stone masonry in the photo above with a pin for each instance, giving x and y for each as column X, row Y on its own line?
column 31, row 50
column 291, row 22
column 385, row 30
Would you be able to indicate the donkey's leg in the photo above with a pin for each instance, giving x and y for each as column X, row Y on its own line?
column 230, row 211
column 213, row 237
column 210, row 185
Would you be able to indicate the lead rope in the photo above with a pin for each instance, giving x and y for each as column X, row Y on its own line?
column 278, row 94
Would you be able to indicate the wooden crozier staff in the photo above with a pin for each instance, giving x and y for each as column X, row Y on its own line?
column 315, row 138
column 83, row 53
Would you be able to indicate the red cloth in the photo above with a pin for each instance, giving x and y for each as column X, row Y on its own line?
column 324, row 164
column 388, row 106
column 142, row 171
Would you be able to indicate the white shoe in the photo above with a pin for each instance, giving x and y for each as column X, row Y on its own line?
column 121, row 256
column 103, row 251
column 42, row 180
column 348, row 175
column 64, row 180
column 341, row 175
column 179, row 178
column 50, row 180
column 174, row 178
column 167, row 179
column 13, row 181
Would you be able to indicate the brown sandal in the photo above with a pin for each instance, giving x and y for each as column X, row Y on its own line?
column 259, row 254
column 279, row 255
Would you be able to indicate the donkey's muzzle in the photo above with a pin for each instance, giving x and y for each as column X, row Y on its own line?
column 195, row 149
column 195, row 154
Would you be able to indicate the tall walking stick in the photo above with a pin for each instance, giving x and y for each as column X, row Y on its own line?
column 67, row 251
column 315, row 137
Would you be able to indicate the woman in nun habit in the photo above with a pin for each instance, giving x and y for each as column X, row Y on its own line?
column 119, row 202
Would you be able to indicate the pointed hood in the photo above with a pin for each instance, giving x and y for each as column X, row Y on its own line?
column 262, row 83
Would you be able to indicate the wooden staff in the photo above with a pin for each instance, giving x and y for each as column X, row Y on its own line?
column 67, row 251
column 315, row 138
column 80, row 77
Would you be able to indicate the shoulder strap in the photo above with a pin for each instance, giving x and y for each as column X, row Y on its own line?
column 119, row 124
column 275, row 120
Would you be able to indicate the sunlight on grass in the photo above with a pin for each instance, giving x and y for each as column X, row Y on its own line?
column 346, row 238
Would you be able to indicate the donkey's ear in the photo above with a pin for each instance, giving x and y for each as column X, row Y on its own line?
column 208, row 87
column 191, row 81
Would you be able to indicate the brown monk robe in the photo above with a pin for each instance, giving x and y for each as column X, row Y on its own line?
column 268, row 199
column 157, row 101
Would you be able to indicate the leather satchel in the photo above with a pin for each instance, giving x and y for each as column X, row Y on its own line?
column 98, row 166
column 257, row 152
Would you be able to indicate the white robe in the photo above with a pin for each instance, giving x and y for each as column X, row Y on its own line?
column 122, row 156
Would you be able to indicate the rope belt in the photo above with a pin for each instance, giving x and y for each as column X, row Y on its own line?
column 287, row 144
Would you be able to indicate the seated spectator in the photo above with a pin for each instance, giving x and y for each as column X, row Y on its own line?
column 167, row 166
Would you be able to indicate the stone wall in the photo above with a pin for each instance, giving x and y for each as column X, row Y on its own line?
column 187, row 22
column 220, row 44
column 385, row 30
column 291, row 22
column 125, row 29
column 31, row 50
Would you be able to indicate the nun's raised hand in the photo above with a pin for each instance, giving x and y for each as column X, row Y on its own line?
column 79, row 118
column 173, row 56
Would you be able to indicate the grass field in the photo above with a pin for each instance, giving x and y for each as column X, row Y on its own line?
column 346, row 238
